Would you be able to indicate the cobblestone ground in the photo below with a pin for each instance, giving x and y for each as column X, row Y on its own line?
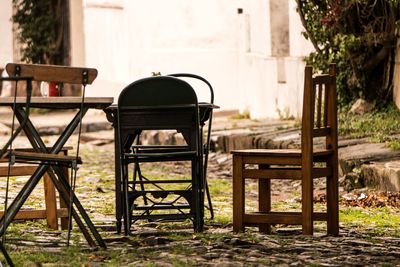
column 164, row 244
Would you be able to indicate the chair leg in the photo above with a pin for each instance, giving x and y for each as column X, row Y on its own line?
column 332, row 192
column 264, row 202
column 126, row 207
column 198, row 192
column 332, row 206
column 50, row 201
column 238, row 194
column 307, row 201
column 264, row 199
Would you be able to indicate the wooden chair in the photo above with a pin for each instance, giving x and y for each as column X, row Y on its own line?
column 319, row 120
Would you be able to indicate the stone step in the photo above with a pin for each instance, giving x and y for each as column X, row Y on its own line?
column 383, row 176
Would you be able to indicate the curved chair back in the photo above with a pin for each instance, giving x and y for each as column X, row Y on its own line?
column 160, row 103
column 156, row 92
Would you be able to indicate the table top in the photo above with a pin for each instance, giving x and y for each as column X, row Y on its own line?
column 63, row 102
column 114, row 107
column 204, row 107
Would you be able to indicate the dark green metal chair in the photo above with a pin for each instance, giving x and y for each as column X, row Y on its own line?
column 160, row 103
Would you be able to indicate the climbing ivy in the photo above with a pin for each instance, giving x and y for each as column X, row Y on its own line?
column 360, row 37
column 39, row 30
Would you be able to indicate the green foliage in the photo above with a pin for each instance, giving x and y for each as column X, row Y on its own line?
column 39, row 30
column 394, row 144
column 360, row 37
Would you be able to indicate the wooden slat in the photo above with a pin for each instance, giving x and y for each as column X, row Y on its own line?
column 52, row 73
column 319, row 105
column 326, row 104
column 44, row 157
column 322, row 79
column 17, row 170
column 36, row 214
column 273, row 173
column 321, row 132
column 271, row 160
column 29, row 214
column 321, row 172
column 268, row 152
column 284, row 173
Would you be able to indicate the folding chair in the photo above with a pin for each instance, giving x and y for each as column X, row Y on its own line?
column 160, row 103
column 48, row 159
column 206, row 115
column 305, row 164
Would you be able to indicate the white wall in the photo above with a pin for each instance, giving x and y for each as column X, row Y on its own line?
column 6, row 37
column 260, row 92
column 165, row 36
column 128, row 39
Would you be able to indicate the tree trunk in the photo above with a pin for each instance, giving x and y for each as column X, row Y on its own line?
column 396, row 75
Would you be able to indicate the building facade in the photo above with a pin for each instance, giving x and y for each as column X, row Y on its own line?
column 251, row 51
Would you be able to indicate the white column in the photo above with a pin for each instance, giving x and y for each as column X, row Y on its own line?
column 6, row 36
column 77, row 33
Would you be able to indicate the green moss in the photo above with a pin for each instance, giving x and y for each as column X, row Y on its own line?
column 380, row 221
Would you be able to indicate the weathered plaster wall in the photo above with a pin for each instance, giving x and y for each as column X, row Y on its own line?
column 250, row 50
column 253, row 65
column 6, row 36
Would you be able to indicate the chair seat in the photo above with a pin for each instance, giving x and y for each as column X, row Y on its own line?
column 152, row 156
column 34, row 157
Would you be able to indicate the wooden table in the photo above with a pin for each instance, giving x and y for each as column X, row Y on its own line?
column 57, row 175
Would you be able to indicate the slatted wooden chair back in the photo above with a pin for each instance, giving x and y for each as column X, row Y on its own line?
column 319, row 110
column 53, row 73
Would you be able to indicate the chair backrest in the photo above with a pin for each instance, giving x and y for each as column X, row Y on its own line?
column 159, row 103
column 53, row 73
column 319, row 109
column 196, row 77
column 157, row 91
column 48, row 73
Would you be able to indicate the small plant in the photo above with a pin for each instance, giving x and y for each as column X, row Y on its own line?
column 241, row 116
column 41, row 30
column 394, row 144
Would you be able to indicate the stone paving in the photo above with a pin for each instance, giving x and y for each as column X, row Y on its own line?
column 151, row 244
column 156, row 244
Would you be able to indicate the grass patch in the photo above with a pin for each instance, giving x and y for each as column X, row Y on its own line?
column 377, row 125
column 241, row 116
column 379, row 221
column 394, row 144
